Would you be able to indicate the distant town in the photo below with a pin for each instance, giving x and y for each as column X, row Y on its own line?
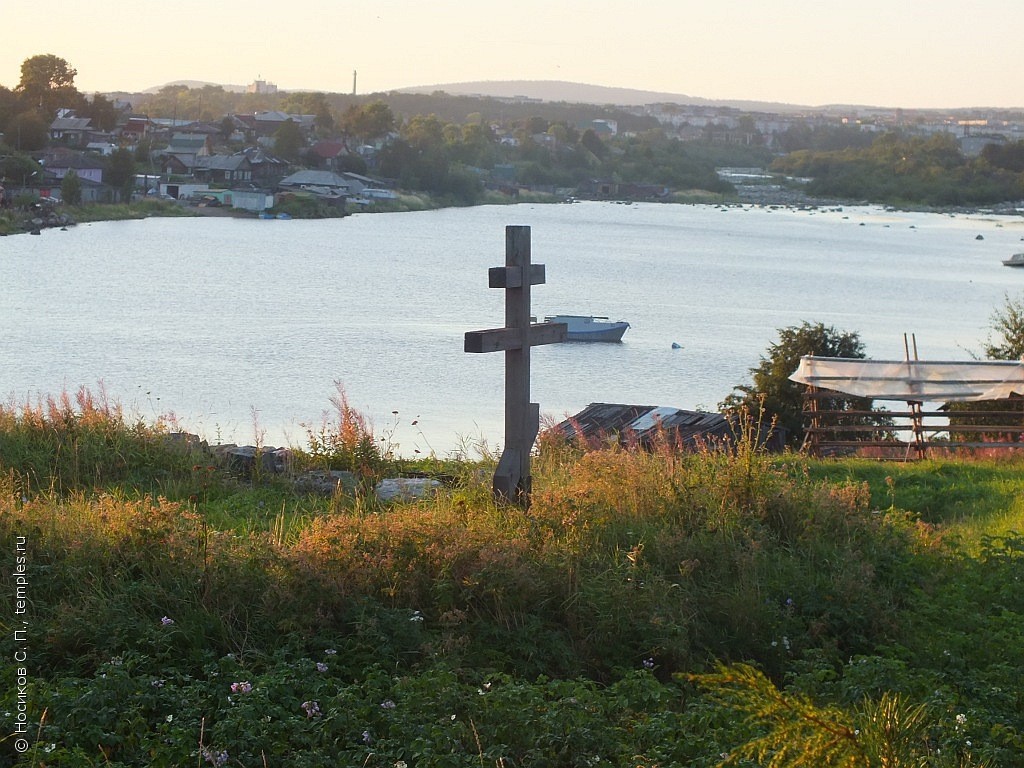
column 258, row 149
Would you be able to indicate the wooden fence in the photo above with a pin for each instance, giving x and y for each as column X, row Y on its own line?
column 837, row 424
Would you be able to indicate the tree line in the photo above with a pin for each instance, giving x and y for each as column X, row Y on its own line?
column 448, row 145
column 911, row 170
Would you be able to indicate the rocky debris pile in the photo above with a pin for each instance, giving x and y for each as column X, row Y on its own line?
column 53, row 219
column 248, row 460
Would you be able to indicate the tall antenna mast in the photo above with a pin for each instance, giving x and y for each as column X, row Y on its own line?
column 353, row 82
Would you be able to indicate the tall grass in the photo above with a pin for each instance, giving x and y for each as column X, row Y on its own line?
column 630, row 568
column 66, row 442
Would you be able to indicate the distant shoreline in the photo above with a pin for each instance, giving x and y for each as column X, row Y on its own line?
column 759, row 195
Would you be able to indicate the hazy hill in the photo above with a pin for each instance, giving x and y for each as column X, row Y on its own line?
column 550, row 91
column 582, row 93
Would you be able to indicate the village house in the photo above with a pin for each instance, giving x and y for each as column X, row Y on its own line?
column 70, row 131
column 223, row 170
column 58, row 163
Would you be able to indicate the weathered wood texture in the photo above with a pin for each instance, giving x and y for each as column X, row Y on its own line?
column 512, row 480
column 832, row 430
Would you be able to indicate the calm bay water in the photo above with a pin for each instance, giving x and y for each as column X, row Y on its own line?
column 242, row 327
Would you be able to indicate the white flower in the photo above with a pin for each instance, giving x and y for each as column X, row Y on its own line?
column 961, row 719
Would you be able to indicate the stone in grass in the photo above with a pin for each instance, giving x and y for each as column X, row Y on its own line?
column 406, row 488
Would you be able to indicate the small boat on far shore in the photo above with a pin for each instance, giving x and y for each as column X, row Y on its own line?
column 1017, row 260
column 590, row 327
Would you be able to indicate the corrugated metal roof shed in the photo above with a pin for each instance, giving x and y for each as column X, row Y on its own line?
column 646, row 425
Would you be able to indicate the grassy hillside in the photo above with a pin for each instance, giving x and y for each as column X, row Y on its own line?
column 651, row 609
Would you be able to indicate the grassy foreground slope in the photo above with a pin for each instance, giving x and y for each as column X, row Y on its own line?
column 651, row 609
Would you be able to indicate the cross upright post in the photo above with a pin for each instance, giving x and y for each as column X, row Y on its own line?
column 512, row 480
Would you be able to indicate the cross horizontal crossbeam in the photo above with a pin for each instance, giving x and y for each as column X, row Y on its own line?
column 504, row 339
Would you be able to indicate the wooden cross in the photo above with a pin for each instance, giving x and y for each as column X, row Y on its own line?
column 512, row 480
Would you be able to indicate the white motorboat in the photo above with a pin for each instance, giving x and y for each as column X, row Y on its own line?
column 590, row 327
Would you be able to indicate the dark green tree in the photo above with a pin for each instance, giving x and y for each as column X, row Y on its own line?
column 1008, row 323
column 48, row 84
column 101, row 111
column 16, row 168
column 71, row 188
column 121, row 172
column 772, row 396
column 1008, row 344
column 368, row 121
column 593, row 143
column 288, row 140
column 1007, row 156
column 8, row 107
column 27, row 132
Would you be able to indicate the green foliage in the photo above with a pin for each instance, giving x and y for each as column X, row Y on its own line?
column 210, row 617
column 288, row 140
column 789, row 730
column 27, row 131
column 898, row 170
column 71, row 188
column 66, row 445
column 48, row 84
column 772, row 396
column 346, row 442
column 1008, row 325
column 368, row 121
column 18, row 168
column 121, row 172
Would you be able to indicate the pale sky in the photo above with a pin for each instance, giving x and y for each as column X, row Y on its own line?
column 889, row 53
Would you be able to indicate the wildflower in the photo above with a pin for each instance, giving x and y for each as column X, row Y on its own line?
column 961, row 719
column 648, row 663
column 169, row 718
column 416, row 616
column 330, row 652
column 785, row 642
column 115, row 661
column 158, row 683
column 367, row 738
column 321, row 667
column 387, row 704
column 401, row 764
column 166, row 621
column 311, row 708
column 215, row 759
column 242, row 687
